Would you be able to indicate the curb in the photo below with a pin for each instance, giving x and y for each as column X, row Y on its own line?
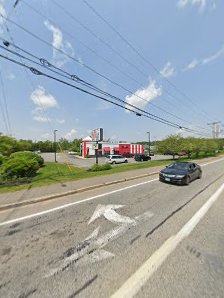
column 71, row 192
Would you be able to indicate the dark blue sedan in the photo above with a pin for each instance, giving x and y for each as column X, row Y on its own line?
column 180, row 173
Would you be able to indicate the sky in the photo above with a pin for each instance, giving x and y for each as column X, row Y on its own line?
column 163, row 57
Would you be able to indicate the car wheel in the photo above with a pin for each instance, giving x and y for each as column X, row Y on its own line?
column 187, row 180
column 113, row 162
column 126, row 161
column 199, row 175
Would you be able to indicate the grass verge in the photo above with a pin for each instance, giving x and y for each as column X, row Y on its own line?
column 53, row 173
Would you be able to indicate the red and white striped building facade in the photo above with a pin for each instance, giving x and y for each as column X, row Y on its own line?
column 105, row 148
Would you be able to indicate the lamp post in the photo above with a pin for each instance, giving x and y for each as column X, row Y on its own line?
column 149, row 141
column 55, row 148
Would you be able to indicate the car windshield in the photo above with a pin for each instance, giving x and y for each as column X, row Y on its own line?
column 179, row 166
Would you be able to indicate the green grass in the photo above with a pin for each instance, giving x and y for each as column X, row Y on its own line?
column 58, row 173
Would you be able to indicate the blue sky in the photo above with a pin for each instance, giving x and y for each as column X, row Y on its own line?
column 179, row 70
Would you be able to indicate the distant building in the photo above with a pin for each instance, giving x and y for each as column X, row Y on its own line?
column 104, row 148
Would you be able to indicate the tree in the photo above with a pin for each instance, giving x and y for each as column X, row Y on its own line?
column 7, row 145
column 75, row 145
column 172, row 145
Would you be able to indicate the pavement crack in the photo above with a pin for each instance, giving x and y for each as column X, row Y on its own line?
column 88, row 283
column 134, row 239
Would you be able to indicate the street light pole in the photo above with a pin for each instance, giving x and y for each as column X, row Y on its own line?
column 55, row 148
column 149, row 141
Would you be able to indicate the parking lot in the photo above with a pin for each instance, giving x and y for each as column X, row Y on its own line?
column 88, row 162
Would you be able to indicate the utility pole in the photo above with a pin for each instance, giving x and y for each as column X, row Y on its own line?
column 96, row 152
column 55, row 147
column 216, row 129
column 148, row 132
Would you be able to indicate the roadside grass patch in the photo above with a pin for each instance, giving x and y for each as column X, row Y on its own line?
column 52, row 173
column 96, row 168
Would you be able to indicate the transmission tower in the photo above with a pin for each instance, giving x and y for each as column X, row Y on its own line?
column 216, row 129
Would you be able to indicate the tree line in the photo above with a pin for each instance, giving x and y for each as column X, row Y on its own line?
column 9, row 145
column 177, row 145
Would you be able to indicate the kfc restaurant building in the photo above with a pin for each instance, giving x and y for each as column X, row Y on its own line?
column 105, row 148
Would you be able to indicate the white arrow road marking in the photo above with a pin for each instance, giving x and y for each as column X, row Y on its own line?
column 95, row 256
column 91, row 248
column 145, row 216
column 108, row 212
column 94, row 234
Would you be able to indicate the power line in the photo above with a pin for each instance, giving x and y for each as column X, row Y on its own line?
column 46, row 64
column 111, row 48
column 140, row 55
column 37, row 72
column 101, row 40
column 83, row 64
column 6, row 44
column 6, row 118
column 114, row 66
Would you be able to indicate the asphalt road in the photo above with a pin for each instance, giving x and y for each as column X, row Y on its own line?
column 138, row 238
column 88, row 162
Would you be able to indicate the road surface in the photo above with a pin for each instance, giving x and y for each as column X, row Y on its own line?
column 143, row 238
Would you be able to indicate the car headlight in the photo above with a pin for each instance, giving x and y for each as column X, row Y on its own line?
column 180, row 176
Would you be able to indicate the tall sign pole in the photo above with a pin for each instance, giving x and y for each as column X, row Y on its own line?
column 96, row 152
column 97, row 136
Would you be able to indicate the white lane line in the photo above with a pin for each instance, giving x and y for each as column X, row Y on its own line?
column 74, row 203
column 211, row 162
column 83, row 201
column 132, row 286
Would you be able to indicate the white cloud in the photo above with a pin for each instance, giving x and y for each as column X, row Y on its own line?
column 200, row 3
column 191, row 65
column 205, row 60
column 71, row 134
column 59, row 44
column 40, row 115
column 168, row 70
column 41, row 119
column 2, row 15
column 41, row 99
column 143, row 96
column 213, row 57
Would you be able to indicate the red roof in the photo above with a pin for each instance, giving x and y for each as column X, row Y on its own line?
column 116, row 149
column 106, row 148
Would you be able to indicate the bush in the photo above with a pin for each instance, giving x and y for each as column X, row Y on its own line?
column 1, row 159
column 28, row 155
column 17, row 167
column 96, row 167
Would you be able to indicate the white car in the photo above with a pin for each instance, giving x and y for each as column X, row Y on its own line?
column 116, row 159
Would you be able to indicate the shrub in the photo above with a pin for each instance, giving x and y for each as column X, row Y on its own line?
column 28, row 155
column 17, row 167
column 96, row 167
column 1, row 159
column 106, row 166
